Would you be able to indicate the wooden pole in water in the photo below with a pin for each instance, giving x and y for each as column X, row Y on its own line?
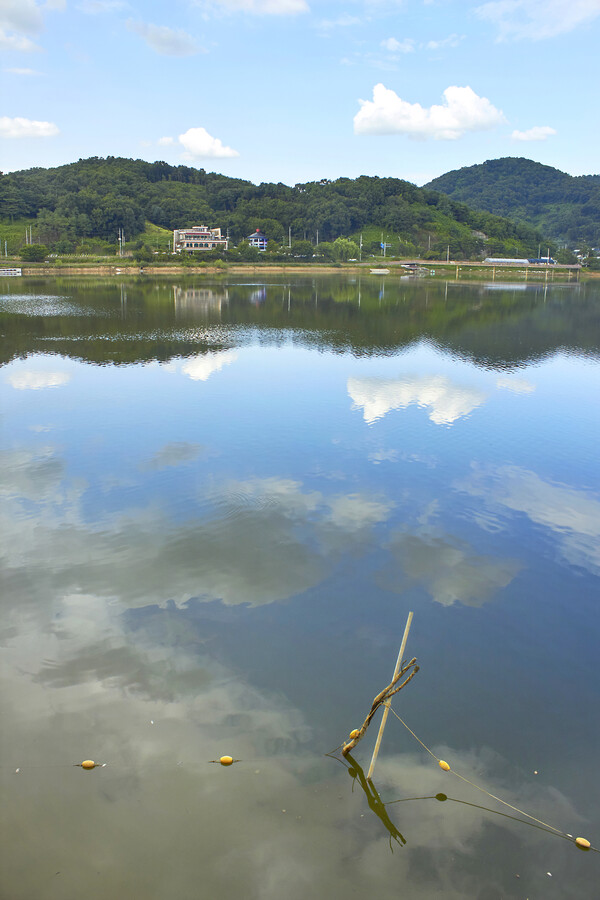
column 387, row 703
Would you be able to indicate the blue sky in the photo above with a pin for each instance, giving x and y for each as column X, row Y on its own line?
column 299, row 90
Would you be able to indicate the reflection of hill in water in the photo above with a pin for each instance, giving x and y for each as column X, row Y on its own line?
column 500, row 326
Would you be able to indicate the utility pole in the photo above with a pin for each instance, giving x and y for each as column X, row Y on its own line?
column 360, row 248
column 317, row 237
column 289, row 237
column 448, row 254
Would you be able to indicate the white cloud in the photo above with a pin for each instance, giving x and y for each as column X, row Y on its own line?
column 199, row 144
column 453, row 40
column 463, row 111
column 537, row 133
column 201, row 367
column 16, row 42
column 445, row 401
column 537, row 19
column 23, row 71
column 166, row 141
column 164, row 40
column 25, row 128
column 396, row 46
column 346, row 21
column 93, row 7
column 256, row 7
column 23, row 16
column 36, row 381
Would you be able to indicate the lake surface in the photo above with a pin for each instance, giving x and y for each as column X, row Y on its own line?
column 220, row 501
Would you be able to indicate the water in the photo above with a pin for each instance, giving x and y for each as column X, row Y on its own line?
column 220, row 500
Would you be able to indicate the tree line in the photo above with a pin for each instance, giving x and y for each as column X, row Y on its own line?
column 565, row 207
column 92, row 199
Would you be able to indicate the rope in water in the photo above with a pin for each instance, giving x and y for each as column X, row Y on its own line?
column 581, row 842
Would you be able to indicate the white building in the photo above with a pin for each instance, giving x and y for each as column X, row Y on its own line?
column 258, row 240
column 200, row 237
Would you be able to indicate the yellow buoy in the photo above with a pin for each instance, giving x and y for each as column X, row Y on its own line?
column 88, row 764
column 355, row 733
column 226, row 760
column 583, row 843
column 444, row 765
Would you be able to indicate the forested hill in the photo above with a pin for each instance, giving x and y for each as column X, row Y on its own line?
column 94, row 198
column 565, row 207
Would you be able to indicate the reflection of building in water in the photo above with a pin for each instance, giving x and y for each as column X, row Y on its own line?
column 191, row 301
column 258, row 296
column 200, row 237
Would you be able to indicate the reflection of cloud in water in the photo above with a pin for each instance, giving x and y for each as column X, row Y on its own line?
column 31, row 474
column 278, row 824
column 572, row 514
column 201, row 367
column 447, row 568
column 516, row 385
column 36, row 381
column 176, row 453
column 445, row 401
column 254, row 542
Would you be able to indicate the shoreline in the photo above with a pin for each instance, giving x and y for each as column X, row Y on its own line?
column 437, row 269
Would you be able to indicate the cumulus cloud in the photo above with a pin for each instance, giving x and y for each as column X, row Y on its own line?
column 395, row 46
column 463, row 111
column 21, row 15
column 453, row 40
column 25, row 72
column 445, row 401
column 17, row 42
column 166, row 141
column 537, row 19
column 164, row 40
column 25, row 128
column 94, row 7
column 199, row 144
column 537, row 133
column 256, row 7
column 21, row 18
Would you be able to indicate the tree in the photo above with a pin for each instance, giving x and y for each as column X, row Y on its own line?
column 344, row 249
column 33, row 252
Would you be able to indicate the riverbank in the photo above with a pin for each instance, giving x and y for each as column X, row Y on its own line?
column 442, row 269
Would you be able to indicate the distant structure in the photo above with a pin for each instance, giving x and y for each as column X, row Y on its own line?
column 506, row 262
column 200, row 237
column 541, row 261
column 258, row 240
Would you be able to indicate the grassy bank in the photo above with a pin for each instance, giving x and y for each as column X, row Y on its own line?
column 438, row 269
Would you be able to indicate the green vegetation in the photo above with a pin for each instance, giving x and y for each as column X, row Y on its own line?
column 33, row 252
column 564, row 207
column 81, row 207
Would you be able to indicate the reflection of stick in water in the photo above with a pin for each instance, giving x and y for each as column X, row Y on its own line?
column 374, row 800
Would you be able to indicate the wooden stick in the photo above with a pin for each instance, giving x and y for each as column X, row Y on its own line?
column 387, row 702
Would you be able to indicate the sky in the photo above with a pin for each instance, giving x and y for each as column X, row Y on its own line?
column 301, row 90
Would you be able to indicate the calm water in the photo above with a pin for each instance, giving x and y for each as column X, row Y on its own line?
column 220, row 500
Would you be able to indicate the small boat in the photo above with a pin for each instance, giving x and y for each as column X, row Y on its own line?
column 380, row 271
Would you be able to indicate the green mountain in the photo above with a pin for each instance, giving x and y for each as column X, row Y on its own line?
column 93, row 199
column 564, row 207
